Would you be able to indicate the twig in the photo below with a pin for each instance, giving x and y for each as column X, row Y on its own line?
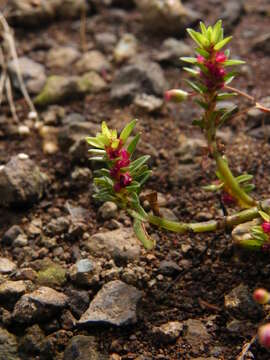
column 246, row 348
column 10, row 99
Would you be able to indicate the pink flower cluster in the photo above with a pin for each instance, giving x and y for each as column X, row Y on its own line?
column 122, row 160
column 266, row 227
column 214, row 78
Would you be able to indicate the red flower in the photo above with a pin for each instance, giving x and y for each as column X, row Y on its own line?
column 200, row 59
column 227, row 198
column 125, row 179
column 220, row 57
column 264, row 335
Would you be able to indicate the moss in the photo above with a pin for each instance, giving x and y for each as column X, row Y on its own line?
column 54, row 275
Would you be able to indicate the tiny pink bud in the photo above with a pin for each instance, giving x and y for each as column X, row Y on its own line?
column 176, row 95
column 266, row 227
column 227, row 198
column 261, row 296
column 200, row 59
column 220, row 57
column 125, row 179
column 264, row 335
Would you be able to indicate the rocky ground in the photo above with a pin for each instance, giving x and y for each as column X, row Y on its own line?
column 74, row 282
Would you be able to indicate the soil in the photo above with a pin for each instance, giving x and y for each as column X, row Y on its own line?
column 211, row 267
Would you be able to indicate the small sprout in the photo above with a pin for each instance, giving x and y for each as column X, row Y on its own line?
column 264, row 335
column 261, row 296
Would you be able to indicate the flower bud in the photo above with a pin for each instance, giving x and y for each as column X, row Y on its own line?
column 264, row 335
column 266, row 227
column 176, row 95
column 261, row 296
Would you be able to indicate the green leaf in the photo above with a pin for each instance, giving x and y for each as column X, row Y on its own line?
column 133, row 187
column 222, row 43
column 199, row 88
column 248, row 187
column 225, row 96
column 97, row 151
column 142, row 235
column 202, row 52
column 233, row 62
column 105, row 130
column 265, row 216
column 243, row 178
column 203, row 28
column 209, row 33
column 132, row 145
column 229, row 77
column 188, row 59
column 227, row 115
column 202, row 104
column 213, row 187
column 227, row 53
column 136, row 215
column 216, row 32
column 191, row 71
column 127, row 130
column 198, row 122
column 198, row 38
column 145, row 176
column 93, row 141
column 97, row 158
column 139, row 162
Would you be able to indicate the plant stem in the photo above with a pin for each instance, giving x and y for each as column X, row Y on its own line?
column 227, row 222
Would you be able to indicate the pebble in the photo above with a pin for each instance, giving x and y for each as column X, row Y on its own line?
column 6, row 266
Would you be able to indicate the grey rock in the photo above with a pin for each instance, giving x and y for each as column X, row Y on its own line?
column 91, row 82
column 21, row 181
column 262, row 43
column 196, row 332
column 6, row 266
column 32, row 340
column 126, row 48
column 29, row 13
column 166, row 16
column 141, row 77
column 81, row 177
column 231, row 13
column 148, row 103
column 184, row 174
column 92, row 61
column 105, row 41
column 11, row 234
column 120, row 244
column 8, row 346
column 58, row 226
column 21, row 240
column 169, row 268
column 108, row 210
column 62, row 56
column 261, row 133
column 39, row 305
column 240, row 304
column 169, row 332
column 78, row 301
column 33, row 74
column 240, row 328
column 171, row 51
column 168, row 214
column 85, row 272
column 114, row 304
column 11, row 291
column 189, row 149
column 83, row 347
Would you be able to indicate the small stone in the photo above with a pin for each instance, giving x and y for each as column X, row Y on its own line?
column 126, row 48
column 31, row 342
column 114, row 304
column 92, row 61
column 91, row 83
column 169, row 268
column 105, row 41
column 169, row 332
column 148, row 103
column 240, row 304
column 6, row 266
column 172, row 50
column 85, row 272
column 11, row 291
column 165, row 16
column 143, row 76
column 21, row 182
column 189, row 149
column 38, row 305
column 240, row 328
column 108, row 210
column 8, row 346
column 33, row 74
column 196, row 332
column 58, row 226
column 23, row 130
column 11, row 234
column 21, row 240
column 262, row 43
column 81, row 177
column 62, row 56
column 68, row 321
column 168, row 214
column 83, row 347
column 120, row 244
column 78, row 301
column 53, row 275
